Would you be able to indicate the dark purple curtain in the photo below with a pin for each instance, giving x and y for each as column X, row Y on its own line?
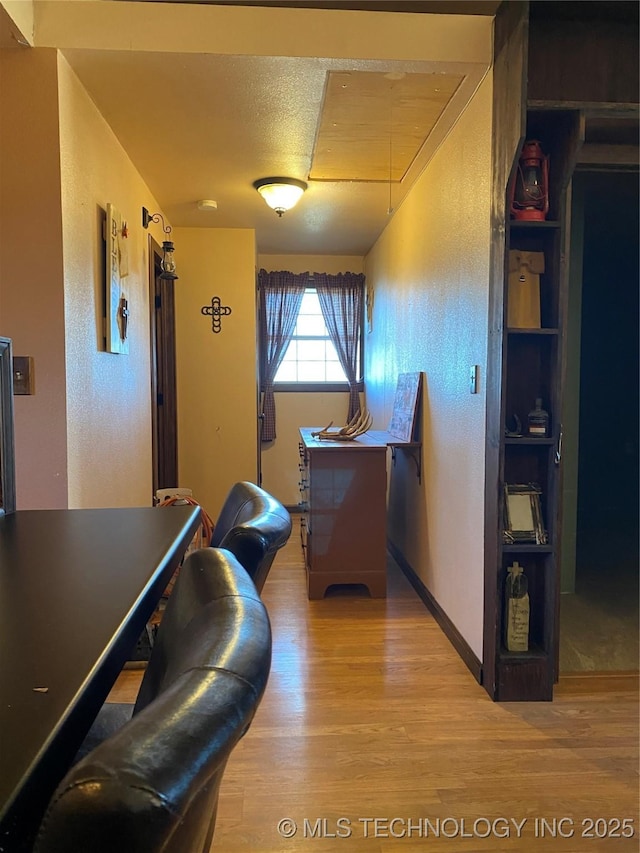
column 341, row 299
column 280, row 295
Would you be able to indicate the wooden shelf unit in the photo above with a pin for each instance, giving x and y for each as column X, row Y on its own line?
column 532, row 366
column 547, row 86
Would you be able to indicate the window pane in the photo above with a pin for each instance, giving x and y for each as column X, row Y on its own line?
column 310, row 356
column 292, row 351
column 331, row 352
column 311, row 350
column 311, row 325
column 287, row 372
column 311, row 371
column 335, row 373
column 310, row 303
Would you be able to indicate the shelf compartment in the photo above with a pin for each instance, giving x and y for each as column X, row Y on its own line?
column 527, row 463
column 558, row 132
column 535, row 567
column 542, row 238
column 528, row 676
column 530, row 372
column 534, row 463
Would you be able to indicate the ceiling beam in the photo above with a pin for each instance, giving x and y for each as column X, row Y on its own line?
column 259, row 31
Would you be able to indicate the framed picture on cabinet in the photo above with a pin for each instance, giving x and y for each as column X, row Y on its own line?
column 522, row 515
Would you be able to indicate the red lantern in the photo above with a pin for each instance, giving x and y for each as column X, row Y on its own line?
column 530, row 186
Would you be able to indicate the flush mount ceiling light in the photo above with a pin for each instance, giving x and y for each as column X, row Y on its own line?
column 280, row 193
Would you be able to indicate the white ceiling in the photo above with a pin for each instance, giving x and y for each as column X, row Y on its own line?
column 206, row 99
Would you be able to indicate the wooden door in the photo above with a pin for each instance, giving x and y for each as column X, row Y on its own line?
column 163, row 374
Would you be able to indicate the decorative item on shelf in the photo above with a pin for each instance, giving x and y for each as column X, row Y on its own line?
column 523, row 522
column 523, row 295
column 281, row 194
column 404, row 422
column 538, row 421
column 530, row 184
column 168, row 261
column 360, row 424
column 216, row 310
column 517, row 610
column 516, row 432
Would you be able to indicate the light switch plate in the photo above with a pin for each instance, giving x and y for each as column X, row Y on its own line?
column 22, row 374
column 473, row 379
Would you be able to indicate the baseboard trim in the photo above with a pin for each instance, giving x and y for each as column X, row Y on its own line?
column 597, row 681
column 451, row 632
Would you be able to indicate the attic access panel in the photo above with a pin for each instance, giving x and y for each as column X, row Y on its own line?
column 373, row 124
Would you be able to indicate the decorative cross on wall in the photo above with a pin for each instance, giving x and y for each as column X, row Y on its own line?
column 216, row 311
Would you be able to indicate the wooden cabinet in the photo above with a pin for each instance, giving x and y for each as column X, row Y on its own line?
column 532, row 359
column 343, row 487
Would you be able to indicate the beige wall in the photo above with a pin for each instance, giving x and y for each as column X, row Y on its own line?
column 217, row 373
column 31, row 269
column 83, row 439
column 280, row 458
column 430, row 271
column 19, row 17
column 332, row 264
column 108, row 395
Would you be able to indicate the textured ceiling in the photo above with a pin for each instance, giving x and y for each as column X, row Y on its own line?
column 206, row 99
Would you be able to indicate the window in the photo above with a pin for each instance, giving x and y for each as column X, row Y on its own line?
column 310, row 355
column 310, row 336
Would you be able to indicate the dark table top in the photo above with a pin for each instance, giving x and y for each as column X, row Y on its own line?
column 76, row 590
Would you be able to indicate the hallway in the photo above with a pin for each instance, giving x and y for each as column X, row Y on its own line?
column 370, row 713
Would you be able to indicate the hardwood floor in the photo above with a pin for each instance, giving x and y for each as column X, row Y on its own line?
column 600, row 621
column 370, row 714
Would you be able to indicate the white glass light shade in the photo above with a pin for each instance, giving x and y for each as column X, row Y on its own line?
column 280, row 194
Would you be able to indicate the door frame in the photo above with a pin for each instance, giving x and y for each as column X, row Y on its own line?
column 164, row 429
